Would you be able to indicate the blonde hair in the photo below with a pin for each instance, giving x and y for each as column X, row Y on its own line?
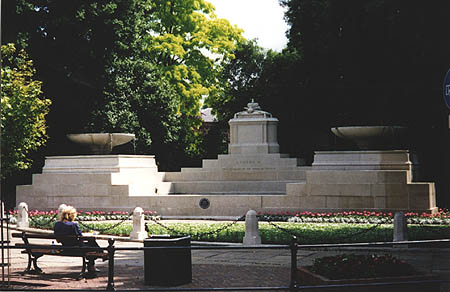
column 70, row 213
column 61, row 209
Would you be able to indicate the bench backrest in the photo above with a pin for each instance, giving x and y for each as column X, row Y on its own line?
column 59, row 238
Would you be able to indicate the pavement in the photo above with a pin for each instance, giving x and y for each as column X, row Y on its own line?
column 211, row 268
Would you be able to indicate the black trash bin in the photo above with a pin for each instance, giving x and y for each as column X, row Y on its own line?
column 167, row 266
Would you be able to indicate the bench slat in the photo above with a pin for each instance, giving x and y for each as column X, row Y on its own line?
column 51, row 236
column 35, row 249
column 45, row 251
column 58, row 253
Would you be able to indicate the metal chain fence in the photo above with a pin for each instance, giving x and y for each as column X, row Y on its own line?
column 52, row 219
column 430, row 229
column 340, row 238
column 41, row 224
column 101, row 230
column 217, row 231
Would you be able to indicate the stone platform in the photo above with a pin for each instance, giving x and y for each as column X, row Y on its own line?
column 272, row 183
column 122, row 182
column 364, row 180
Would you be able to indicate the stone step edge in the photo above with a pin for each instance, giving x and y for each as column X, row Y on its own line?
column 274, row 193
column 235, row 169
column 233, row 181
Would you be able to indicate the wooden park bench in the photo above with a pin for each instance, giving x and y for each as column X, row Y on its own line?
column 39, row 249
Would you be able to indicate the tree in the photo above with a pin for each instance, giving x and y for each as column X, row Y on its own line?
column 141, row 101
column 24, row 109
column 81, row 48
column 240, row 75
column 71, row 44
column 362, row 57
column 190, row 43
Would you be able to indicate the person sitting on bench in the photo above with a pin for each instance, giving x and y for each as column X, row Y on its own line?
column 68, row 227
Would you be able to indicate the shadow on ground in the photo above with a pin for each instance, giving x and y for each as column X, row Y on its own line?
column 203, row 275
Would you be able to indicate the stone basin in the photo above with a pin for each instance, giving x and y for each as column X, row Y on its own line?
column 369, row 137
column 101, row 143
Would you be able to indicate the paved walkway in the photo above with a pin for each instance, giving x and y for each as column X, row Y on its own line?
column 210, row 268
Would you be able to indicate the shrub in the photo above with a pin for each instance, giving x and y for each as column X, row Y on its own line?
column 352, row 266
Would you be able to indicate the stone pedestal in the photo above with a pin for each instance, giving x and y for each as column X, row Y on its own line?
column 363, row 160
column 91, row 182
column 253, row 131
column 363, row 180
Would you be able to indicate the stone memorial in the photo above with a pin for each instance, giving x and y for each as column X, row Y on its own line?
column 253, row 175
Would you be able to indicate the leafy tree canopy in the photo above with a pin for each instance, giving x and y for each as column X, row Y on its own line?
column 88, row 52
column 241, row 75
column 23, row 111
column 190, row 43
column 363, row 57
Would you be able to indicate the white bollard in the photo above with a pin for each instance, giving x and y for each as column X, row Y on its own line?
column 138, row 231
column 22, row 215
column 400, row 227
column 251, row 229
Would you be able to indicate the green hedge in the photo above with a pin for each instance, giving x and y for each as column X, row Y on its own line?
column 307, row 233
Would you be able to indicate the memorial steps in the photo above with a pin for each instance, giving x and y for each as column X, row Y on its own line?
column 239, row 174
column 230, row 187
column 243, row 175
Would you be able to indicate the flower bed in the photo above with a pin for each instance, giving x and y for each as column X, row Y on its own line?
column 354, row 266
column 87, row 215
column 364, row 269
column 363, row 217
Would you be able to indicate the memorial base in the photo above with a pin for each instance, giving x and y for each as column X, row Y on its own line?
column 363, row 180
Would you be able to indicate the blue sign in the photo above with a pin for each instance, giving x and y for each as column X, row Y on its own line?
column 447, row 88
